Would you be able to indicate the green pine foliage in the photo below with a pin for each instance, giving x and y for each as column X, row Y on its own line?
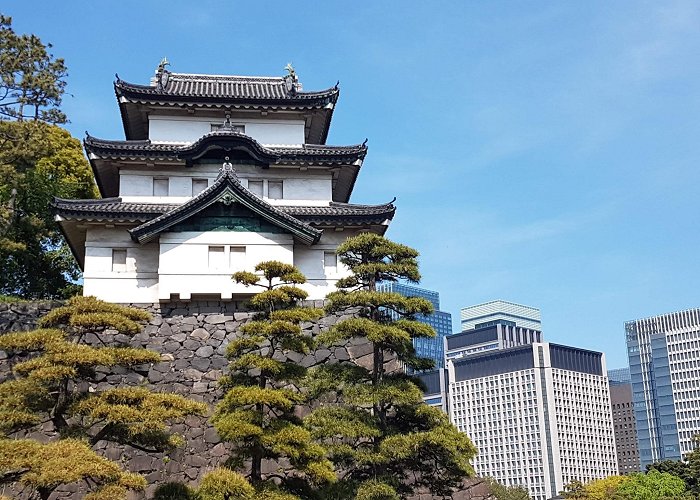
column 384, row 441
column 258, row 412
column 54, row 381
column 38, row 160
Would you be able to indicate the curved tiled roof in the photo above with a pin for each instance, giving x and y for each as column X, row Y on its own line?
column 247, row 91
column 114, row 209
column 145, row 149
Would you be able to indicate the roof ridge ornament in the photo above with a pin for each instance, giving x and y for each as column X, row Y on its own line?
column 162, row 74
column 291, row 80
column 227, row 168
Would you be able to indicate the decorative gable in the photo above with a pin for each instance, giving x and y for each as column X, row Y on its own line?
column 227, row 190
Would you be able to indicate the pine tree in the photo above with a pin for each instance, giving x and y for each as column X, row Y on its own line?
column 384, row 441
column 54, row 382
column 258, row 411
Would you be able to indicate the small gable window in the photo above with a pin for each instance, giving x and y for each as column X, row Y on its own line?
column 199, row 185
column 161, row 186
column 119, row 260
column 217, row 258
column 256, row 187
column 274, row 190
column 237, row 258
column 330, row 262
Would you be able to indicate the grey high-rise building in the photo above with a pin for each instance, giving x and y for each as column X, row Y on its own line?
column 441, row 321
column 664, row 359
column 539, row 415
column 482, row 314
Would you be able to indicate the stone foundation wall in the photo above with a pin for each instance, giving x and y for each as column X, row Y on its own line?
column 192, row 339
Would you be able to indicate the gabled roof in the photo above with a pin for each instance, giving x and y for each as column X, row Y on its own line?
column 227, row 189
column 229, row 92
column 102, row 152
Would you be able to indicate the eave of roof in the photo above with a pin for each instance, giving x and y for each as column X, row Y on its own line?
column 145, row 149
column 116, row 210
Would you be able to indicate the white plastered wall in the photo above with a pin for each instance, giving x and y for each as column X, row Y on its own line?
column 189, row 129
column 179, row 263
column 137, row 283
column 185, row 267
column 299, row 188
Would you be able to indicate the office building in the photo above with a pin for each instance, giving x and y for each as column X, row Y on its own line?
column 664, row 360
column 482, row 314
column 619, row 376
column 436, row 383
column 495, row 335
column 624, row 421
column 440, row 321
column 539, row 415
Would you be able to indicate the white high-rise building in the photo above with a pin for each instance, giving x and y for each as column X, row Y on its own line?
column 539, row 415
column 664, row 359
column 483, row 314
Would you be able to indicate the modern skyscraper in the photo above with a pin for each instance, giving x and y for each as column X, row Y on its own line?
column 539, row 415
column 623, row 420
column 664, row 359
column 440, row 321
column 482, row 314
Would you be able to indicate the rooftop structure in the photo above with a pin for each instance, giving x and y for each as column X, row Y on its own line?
column 482, row 314
column 216, row 174
column 494, row 335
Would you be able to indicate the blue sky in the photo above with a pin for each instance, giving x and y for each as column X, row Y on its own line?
column 541, row 152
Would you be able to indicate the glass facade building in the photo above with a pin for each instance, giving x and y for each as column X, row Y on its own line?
column 440, row 321
column 664, row 359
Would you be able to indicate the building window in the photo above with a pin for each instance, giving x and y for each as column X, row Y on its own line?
column 274, row 190
column 199, row 185
column 256, row 187
column 238, row 128
column 161, row 186
column 217, row 258
column 237, row 258
column 330, row 262
column 118, row 260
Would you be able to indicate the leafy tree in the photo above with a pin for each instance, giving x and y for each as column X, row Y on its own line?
column 258, row 411
column 688, row 469
column 692, row 479
column 574, row 489
column 501, row 492
column 32, row 80
column 38, row 161
column 55, row 381
column 605, row 488
column 651, row 486
column 384, row 441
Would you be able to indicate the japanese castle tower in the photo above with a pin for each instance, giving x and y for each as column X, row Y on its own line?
column 216, row 174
